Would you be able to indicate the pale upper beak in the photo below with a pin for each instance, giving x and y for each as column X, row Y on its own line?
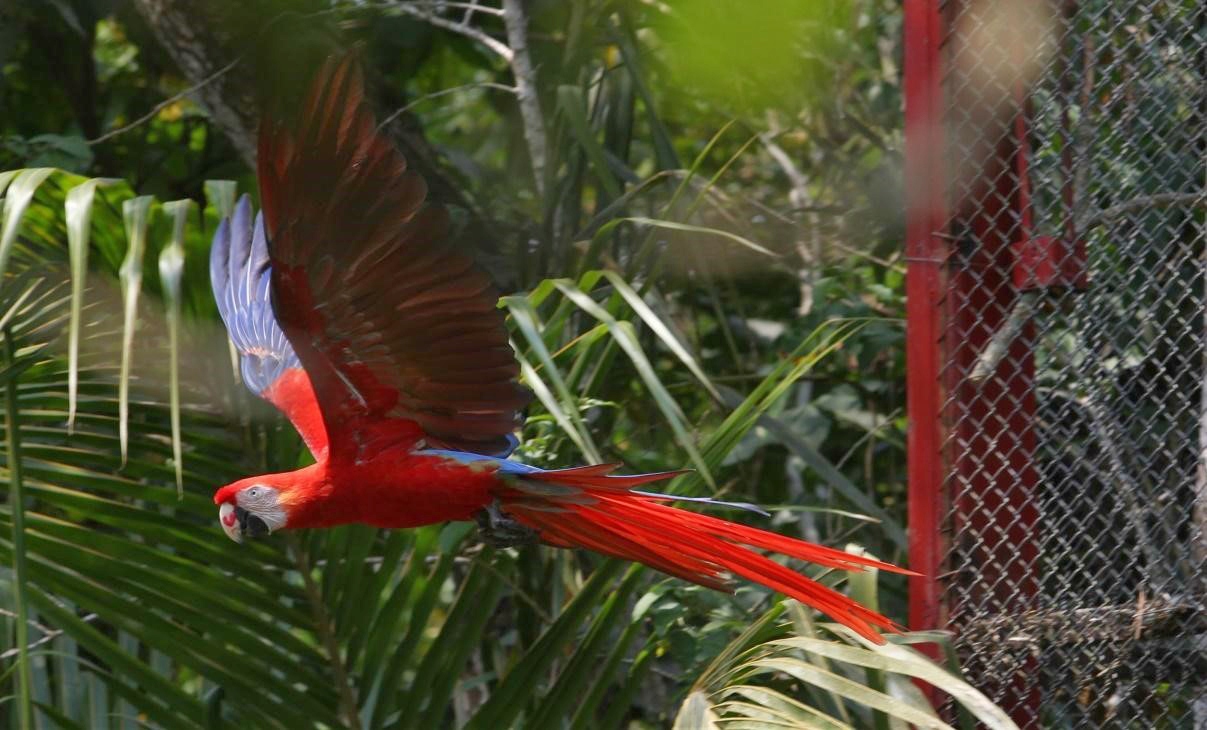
column 230, row 522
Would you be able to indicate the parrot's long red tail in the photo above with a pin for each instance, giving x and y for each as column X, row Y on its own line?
column 586, row 508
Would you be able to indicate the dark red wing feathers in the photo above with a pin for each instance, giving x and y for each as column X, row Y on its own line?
column 387, row 318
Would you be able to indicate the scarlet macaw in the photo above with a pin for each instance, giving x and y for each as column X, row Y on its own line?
column 384, row 346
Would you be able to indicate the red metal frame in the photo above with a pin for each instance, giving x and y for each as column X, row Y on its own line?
column 995, row 432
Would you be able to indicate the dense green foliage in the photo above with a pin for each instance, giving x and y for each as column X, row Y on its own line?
column 705, row 272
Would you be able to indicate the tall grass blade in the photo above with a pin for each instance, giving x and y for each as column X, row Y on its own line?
column 646, row 250
column 573, row 105
column 509, row 698
column 825, row 469
column 714, row 675
column 703, row 230
column 622, row 332
column 664, row 148
column 661, row 329
column 567, row 692
column 566, row 412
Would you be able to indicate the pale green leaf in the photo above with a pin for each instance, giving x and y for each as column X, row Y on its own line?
column 696, row 713
column 840, row 685
column 21, row 191
column 136, row 214
column 171, row 271
column 78, row 209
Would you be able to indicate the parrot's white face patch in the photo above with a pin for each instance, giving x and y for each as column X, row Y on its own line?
column 256, row 512
column 262, row 501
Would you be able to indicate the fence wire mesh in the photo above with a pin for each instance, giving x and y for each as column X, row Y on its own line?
column 1075, row 358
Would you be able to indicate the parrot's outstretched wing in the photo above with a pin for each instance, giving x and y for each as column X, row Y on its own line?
column 240, row 277
column 388, row 319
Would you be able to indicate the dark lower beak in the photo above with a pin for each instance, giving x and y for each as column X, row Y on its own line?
column 249, row 524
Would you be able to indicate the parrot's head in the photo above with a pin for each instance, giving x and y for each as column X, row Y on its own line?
column 251, row 507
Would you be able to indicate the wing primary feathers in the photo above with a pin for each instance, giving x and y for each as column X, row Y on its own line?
column 239, row 278
column 366, row 285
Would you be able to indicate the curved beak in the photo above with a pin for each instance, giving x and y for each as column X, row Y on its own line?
column 227, row 515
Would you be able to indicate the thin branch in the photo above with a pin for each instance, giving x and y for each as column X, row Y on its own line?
column 469, row 7
column 474, row 7
column 516, row 23
column 995, row 352
column 516, row 55
column 800, row 184
column 444, row 92
column 1161, row 200
column 468, row 31
column 48, row 634
column 808, row 250
column 166, row 103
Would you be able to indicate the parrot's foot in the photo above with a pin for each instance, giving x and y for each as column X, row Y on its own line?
column 499, row 530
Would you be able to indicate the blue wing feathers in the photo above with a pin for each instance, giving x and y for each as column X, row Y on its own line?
column 240, row 276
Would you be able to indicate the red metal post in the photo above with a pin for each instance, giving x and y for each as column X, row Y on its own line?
column 926, row 253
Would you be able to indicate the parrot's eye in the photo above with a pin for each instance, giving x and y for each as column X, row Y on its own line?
column 253, row 492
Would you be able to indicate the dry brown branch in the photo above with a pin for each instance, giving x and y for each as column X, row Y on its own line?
column 1149, row 619
column 1161, row 200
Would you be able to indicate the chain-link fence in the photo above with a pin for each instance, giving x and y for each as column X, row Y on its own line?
column 1072, row 356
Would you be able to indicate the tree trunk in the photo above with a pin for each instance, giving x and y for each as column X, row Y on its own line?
column 190, row 36
column 194, row 37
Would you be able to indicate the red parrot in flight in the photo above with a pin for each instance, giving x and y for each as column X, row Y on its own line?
column 384, row 345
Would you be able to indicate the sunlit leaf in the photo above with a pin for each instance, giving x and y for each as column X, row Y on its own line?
column 21, row 188
column 78, row 208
